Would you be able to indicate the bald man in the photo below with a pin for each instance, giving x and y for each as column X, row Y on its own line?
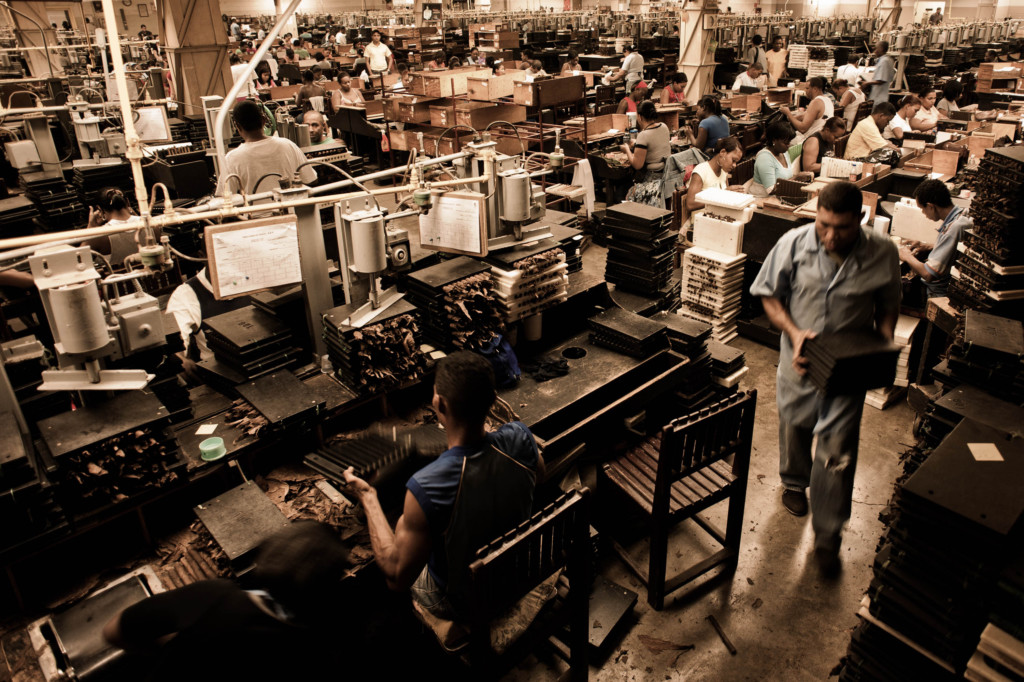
column 318, row 130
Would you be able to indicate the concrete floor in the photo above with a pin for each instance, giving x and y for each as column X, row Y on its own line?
column 785, row 621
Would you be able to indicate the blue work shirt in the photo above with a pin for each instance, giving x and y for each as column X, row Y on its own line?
column 941, row 257
column 885, row 71
column 826, row 296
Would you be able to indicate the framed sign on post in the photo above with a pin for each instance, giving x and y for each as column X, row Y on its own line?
column 253, row 255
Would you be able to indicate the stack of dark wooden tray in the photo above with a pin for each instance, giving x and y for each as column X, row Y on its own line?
column 850, row 362
column 640, row 249
column 247, row 343
column 627, row 333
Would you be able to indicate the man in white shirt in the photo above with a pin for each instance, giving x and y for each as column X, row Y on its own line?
column 340, row 37
column 751, row 78
column 378, row 56
column 260, row 159
column 849, row 72
column 238, row 69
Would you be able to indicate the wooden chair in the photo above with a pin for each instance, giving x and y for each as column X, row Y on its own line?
column 743, row 171
column 863, row 111
column 840, row 146
column 604, row 94
column 511, row 567
column 676, row 476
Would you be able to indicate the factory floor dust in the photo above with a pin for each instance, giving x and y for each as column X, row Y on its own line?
column 785, row 621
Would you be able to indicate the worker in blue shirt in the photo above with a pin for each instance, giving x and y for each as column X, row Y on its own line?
column 935, row 201
column 831, row 276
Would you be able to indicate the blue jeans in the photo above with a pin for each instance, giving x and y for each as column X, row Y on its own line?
column 803, row 414
column 431, row 596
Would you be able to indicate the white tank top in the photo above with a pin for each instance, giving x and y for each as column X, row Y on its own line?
column 850, row 112
column 829, row 112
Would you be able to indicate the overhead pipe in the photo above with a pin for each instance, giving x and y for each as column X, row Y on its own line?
column 131, row 136
column 243, row 81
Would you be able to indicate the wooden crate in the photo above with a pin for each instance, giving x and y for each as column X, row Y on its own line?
column 445, row 83
column 492, row 88
column 601, row 127
column 497, row 40
column 410, row 109
column 475, row 114
column 408, row 139
column 551, row 92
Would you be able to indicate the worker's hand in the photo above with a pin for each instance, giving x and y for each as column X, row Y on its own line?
column 799, row 361
column 784, row 109
column 906, row 254
column 95, row 217
column 624, row 147
column 358, row 485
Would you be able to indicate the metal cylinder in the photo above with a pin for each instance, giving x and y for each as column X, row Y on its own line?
column 78, row 317
column 369, row 252
column 515, row 197
column 302, row 135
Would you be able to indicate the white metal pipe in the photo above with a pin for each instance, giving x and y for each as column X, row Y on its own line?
column 131, row 137
column 243, row 81
column 37, row 241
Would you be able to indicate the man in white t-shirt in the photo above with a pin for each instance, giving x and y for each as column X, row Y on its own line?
column 850, row 72
column 340, row 37
column 260, row 159
column 751, row 78
column 378, row 56
column 238, row 69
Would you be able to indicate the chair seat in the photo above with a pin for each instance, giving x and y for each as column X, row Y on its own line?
column 635, row 473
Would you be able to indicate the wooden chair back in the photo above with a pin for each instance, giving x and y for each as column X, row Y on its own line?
column 696, row 441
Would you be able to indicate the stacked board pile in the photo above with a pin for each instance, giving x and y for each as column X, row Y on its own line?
column 988, row 274
column 691, row 338
column 18, row 215
column 374, row 451
column 529, row 279
column 382, row 354
column 459, row 307
column 89, row 180
column 954, row 534
column 27, row 505
column 247, row 343
column 58, row 207
column 728, row 365
column 627, row 333
column 713, row 290
column 850, row 362
column 989, row 351
column 640, row 251
column 881, row 398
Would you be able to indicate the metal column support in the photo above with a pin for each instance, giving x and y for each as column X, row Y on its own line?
column 313, row 263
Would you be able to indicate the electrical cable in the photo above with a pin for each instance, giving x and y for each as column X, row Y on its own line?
column 346, row 174
column 263, row 177
column 515, row 130
column 179, row 254
column 437, row 142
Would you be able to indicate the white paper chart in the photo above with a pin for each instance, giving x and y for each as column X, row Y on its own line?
column 258, row 257
column 454, row 224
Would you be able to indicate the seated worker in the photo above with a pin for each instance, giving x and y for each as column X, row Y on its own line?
column 322, row 62
column 479, row 488
column 437, row 63
column 713, row 126
column 867, row 136
column 259, row 159
column 672, row 93
column 112, row 209
column 772, row 163
column 936, row 203
column 475, row 58
column 818, row 111
column 319, row 133
column 308, row 90
column 648, row 156
column 284, row 627
column 497, row 66
column 900, row 123
column 404, row 82
column 264, row 80
column 525, row 62
column 951, row 92
column 628, row 104
column 536, row 69
column 454, row 63
column 572, row 63
column 346, row 95
column 928, row 116
column 711, row 174
column 300, row 51
column 821, row 144
column 751, row 78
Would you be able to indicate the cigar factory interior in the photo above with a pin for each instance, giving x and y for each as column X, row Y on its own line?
column 511, row 339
